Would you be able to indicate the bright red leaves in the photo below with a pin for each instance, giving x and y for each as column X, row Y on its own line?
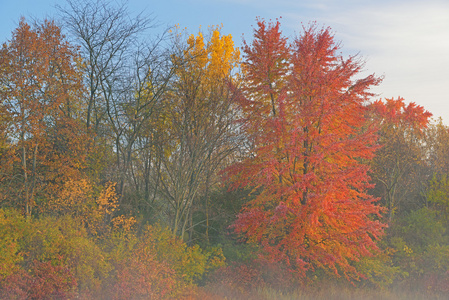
column 304, row 113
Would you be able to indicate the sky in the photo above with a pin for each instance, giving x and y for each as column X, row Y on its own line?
column 406, row 41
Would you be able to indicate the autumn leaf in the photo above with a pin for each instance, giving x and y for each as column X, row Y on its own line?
column 41, row 84
column 304, row 113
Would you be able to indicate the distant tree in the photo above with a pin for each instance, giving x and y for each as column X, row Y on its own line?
column 437, row 143
column 398, row 169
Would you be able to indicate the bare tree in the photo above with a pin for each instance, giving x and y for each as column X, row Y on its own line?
column 126, row 74
column 107, row 35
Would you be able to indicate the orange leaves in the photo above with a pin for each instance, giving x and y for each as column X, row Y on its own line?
column 107, row 201
column 40, row 82
column 143, row 276
column 265, row 67
column 73, row 198
column 304, row 112
column 395, row 111
column 396, row 167
column 158, row 265
column 41, row 75
column 127, row 223
column 94, row 206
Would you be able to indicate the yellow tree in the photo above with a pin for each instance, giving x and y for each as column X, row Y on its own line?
column 199, row 109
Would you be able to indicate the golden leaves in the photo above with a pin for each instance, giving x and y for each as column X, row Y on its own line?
column 73, row 198
column 108, row 199
column 213, row 59
column 92, row 205
column 124, row 222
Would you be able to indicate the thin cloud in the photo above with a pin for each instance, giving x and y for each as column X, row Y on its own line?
column 406, row 41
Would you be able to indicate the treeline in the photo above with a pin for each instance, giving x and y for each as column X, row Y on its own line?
column 170, row 165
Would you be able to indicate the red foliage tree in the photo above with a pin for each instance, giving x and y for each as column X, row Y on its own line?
column 304, row 115
column 144, row 277
column 399, row 167
column 52, row 281
column 395, row 113
column 44, row 280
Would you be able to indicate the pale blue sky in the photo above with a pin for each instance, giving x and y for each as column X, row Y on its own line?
column 405, row 40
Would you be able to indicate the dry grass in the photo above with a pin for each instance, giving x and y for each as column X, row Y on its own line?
column 346, row 294
column 326, row 293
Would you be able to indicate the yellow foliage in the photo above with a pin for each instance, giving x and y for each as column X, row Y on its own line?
column 124, row 222
column 189, row 263
column 108, row 200
column 12, row 226
column 81, row 200
column 214, row 60
column 223, row 55
column 407, row 249
column 196, row 51
column 72, row 199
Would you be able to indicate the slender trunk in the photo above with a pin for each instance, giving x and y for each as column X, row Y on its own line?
column 176, row 219
column 93, row 88
column 305, row 193
column 190, row 228
column 207, row 208
column 24, row 168
column 390, row 195
column 25, row 181
column 126, row 164
column 273, row 105
column 33, row 176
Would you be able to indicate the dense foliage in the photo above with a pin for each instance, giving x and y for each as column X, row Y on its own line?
column 136, row 165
